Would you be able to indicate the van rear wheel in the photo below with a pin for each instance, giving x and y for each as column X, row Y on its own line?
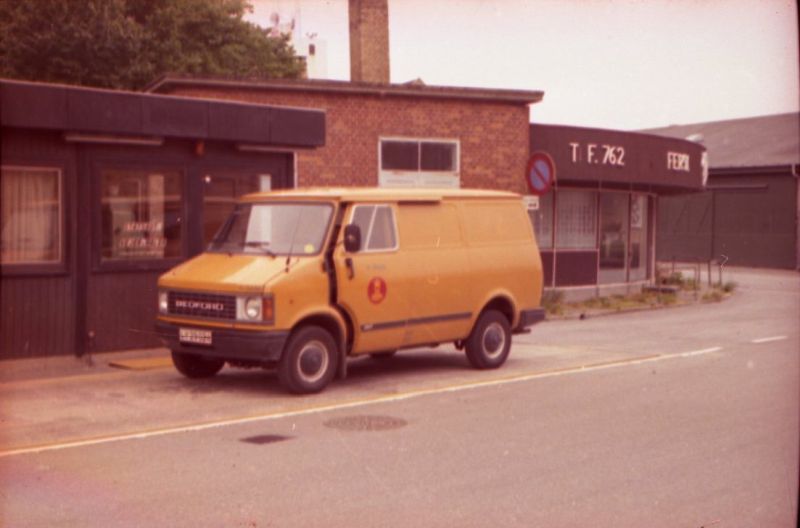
column 309, row 360
column 490, row 341
column 196, row 366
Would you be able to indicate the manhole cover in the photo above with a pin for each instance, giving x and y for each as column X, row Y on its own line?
column 365, row 423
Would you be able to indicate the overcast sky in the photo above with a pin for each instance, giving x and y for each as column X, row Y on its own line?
column 619, row 64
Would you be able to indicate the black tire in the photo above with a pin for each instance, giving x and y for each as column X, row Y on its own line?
column 382, row 356
column 195, row 366
column 309, row 361
column 489, row 343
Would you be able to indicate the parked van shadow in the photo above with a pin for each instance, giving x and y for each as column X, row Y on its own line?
column 401, row 366
column 405, row 364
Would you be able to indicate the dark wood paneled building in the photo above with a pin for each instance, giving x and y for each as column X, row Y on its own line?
column 749, row 214
column 104, row 190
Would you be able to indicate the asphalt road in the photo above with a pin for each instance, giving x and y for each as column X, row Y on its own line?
column 678, row 417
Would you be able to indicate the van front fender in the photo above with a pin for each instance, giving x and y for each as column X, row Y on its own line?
column 333, row 322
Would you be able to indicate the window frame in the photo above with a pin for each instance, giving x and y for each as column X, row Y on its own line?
column 365, row 236
column 144, row 264
column 418, row 178
column 60, row 266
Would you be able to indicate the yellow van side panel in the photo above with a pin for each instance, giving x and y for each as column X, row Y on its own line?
column 502, row 253
column 439, row 272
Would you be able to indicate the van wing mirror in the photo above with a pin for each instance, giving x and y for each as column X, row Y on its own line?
column 352, row 238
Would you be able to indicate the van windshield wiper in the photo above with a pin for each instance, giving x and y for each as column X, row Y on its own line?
column 263, row 246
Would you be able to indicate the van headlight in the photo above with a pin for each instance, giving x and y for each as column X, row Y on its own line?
column 163, row 302
column 256, row 309
column 252, row 308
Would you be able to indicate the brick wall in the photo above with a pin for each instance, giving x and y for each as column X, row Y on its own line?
column 369, row 41
column 494, row 137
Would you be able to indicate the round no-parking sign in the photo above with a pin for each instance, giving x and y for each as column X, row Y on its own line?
column 541, row 173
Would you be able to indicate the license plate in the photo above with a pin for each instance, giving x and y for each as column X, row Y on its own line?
column 194, row 336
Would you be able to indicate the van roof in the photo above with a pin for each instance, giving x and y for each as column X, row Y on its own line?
column 372, row 194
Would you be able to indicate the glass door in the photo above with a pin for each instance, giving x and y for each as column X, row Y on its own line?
column 613, row 237
column 221, row 190
column 639, row 230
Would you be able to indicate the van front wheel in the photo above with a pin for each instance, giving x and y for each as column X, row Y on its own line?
column 196, row 366
column 490, row 341
column 309, row 360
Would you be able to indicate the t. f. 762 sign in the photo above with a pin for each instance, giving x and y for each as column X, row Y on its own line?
column 597, row 154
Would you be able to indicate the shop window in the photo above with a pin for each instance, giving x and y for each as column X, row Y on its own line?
column 613, row 237
column 412, row 162
column 541, row 217
column 576, row 220
column 221, row 190
column 32, row 230
column 376, row 222
column 141, row 214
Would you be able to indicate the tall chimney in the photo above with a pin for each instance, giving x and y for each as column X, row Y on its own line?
column 369, row 41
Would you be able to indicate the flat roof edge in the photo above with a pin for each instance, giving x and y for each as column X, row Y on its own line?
column 345, row 87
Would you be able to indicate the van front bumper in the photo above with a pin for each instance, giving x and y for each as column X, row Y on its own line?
column 230, row 345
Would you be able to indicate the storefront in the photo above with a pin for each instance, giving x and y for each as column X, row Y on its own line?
column 103, row 191
column 596, row 226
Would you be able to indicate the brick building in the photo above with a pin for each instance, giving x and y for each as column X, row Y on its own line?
column 380, row 133
column 465, row 137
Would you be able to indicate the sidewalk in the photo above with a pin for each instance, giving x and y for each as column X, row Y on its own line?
column 67, row 366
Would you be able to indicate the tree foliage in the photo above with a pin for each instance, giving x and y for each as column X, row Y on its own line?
column 128, row 43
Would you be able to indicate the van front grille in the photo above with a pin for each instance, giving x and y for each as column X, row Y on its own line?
column 207, row 305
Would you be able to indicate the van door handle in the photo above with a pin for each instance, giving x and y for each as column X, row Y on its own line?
column 351, row 272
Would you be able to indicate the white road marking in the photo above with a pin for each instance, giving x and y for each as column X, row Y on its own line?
column 769, row 339
column 186, row 428
column 700, row 352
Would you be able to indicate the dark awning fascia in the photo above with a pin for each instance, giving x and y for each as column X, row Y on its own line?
column 74, row 109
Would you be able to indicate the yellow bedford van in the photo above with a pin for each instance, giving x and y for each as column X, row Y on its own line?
column 303, row 279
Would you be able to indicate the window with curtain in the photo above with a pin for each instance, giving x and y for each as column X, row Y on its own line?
column 32, row 230
column 141, row 214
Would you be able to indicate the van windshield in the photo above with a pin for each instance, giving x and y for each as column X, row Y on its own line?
column 274, row 229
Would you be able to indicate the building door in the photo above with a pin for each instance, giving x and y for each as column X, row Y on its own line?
column 614, row 224
column 639, row 247
column 222, row 188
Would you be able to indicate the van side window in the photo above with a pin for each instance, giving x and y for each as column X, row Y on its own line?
column 378, row 231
